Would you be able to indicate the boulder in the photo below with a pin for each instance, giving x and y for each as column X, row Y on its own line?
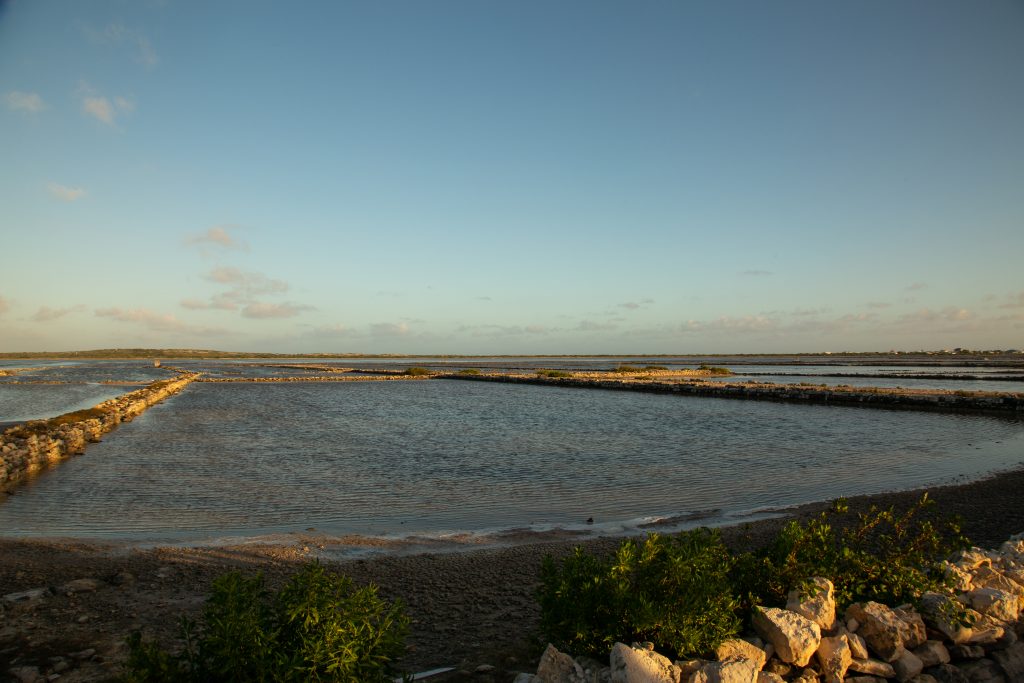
column 987, row 577
column 858, row 648
column 961, row 579
column 996, row 603
column 983, row 671
column 939, row 613
column 932, row 653
column 558, row 667
column 769, row 677
column 873, row 667
column 834, row 658
column 907, row 665
column 816, row 601
column 947, row 673
column 972, row 559
column 912, row 629
column 734, row 647
column 640, row 665
column 526, row 678
column 795, row 637
column 881, row 628
column 731, row 670
column 1011, row 661
column 959, row 653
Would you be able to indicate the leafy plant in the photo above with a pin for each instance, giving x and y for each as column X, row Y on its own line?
column 887, row 556
column 319, row 627
column 627, row 368
column 553, row 373
column 655, row 367
column 469, row 371
column 714, row 370
column 416, row 371
column 672, row 591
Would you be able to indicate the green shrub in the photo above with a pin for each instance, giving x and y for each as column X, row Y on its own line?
column 884, row 556
column 553, row 373
column 469, row 371
column 672, row 591
column 655, row 367
column 319, row 627
column 416, row 371
column 627, row 368
column 714, row 370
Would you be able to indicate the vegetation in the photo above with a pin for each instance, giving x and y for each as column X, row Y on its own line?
column 469, row 371
column 672, row 591
column 715, row 370
column 317, row 628
column 417, row 372
column 655, row 367
column 554, row 374
column 687, row 593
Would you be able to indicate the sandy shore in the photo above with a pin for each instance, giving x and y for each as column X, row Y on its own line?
column 468, row 608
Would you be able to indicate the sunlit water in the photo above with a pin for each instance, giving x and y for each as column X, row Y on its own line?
column 432, row 457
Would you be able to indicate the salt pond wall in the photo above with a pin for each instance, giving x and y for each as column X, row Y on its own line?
column 29, row 447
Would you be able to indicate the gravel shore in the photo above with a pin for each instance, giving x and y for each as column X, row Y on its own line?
column 468, row 608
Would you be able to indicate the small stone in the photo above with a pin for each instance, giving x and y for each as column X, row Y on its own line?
column 1011, row 660
column 484, row 669
column 25, row 596
column 907, row 665
column 80, row 586
column 769, row 677
column 84, row 654
column 731, row 670
column 912, row 629
column 795, row 637
column 923, row 678
column 881, row 628
column 858, row 648
column 526, row 678
column 932, row 653
column 25, row 674
column 873, row 667
column 834, row 658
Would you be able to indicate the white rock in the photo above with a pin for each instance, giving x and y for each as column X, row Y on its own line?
column 731, row 670
column 858, row 648
column 881, row 628
column 995, row 603
column 769, row 677
column 873, row 667
column 26, row 596
column 817, row 603
column 795, row 637
column 734, row 647
column 907, row 665
column 636, row 665
column 558, row 667
column 834, row 657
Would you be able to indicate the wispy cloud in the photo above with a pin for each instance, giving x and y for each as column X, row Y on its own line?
column 916, row 286
column 5, row 305
column 756, row 273
column 102, row 108
column 119, row 34
column 24, row 101
column 261, row 310
column 878, row 304
column 1016, row 301
column 389, row 329
column 156, row 322
column 592, row 326
column 65, row 194
column 247, row 283
column 46, row 314
column 635, row 305
column 218, row 236
column 927, row 315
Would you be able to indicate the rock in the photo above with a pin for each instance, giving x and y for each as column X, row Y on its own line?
column 962, row 652
column 947, row 673
column 912, row 629
column 780, row 669
column 80, row 586
column 26, row 596
column 734, row 647
column 972, row 559
column 834, row 658
column 983, row 671
column 932, row 653
column 25, row 674
column 769, row 677
column 807, row 676
column 961, row 579
column 816, row 602
column 484, row 669
column 987, row 577
column 689, row 667
column 986, row 630
column 923, row 678
column 795, row 637
column 636, row 665
column 864, row 679
column 731, row 670
column 526, row 678
column 881, row 628
column 939, row 613
column 1011, row 660
column 907, row 665
column 858, row 648
column 873, row 667
column 84, row 654
column 558, row 667
column 993, row 602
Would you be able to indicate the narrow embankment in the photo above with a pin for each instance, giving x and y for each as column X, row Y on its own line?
column 29, row 447
column 869, row 397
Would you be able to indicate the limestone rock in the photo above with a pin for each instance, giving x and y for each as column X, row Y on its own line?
column 907, row 665
column 972, row 559
column 963, row 652
column 731, row 670
column 558, row 667
column 993, row 602
column 947, row 673
column 937, row 608
column 912, row 629
column 834, row 658
column 987, row 577
column 526, row 678
column 817, row 603
column 734, row 647
column 923, row 678
column 932, row 653
column 961, row 578
column 873, row 667
column 25, row 596
column 640, row 665
column 769, row 677
column 1011, row 660
column 881, row 628
column 795, row 638
column 865, row 679
column 983, row 671
column 80, row 586
column 858, row 648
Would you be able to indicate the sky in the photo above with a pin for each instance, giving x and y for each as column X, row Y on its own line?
column 529, row 177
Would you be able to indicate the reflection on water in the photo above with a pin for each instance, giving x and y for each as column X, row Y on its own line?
column 21, row 402
column 429, row 457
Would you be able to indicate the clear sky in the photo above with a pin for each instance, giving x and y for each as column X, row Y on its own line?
column 512, row 177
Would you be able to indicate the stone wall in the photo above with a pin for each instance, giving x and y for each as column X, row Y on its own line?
column 945, row 401
column 32, row 446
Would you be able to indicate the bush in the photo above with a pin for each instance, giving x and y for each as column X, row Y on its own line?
column 317, row 628
column 714, row 370
column 674, row 592
column 628, row 368
column 884, row 556
column 416, row 372
column 655, row 367
column 553, row 373
column 469, row 371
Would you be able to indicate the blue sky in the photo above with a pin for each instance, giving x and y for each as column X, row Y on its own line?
column 512, row 177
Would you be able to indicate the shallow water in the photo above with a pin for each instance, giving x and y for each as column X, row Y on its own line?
column 21, row 402
column 436, row 457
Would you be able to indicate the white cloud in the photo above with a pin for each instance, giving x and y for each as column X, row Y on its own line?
column 591, row 326
column 1016, row 301
column 102, row 108
column 24, row 101
column 389, row 329
column 119, row 34
column 157, row 322
column 46, row 314
column 916, row 286
column 65, row 194
column 878, row 304
column 927, row 315
column 259, row 309
column 218, row 236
